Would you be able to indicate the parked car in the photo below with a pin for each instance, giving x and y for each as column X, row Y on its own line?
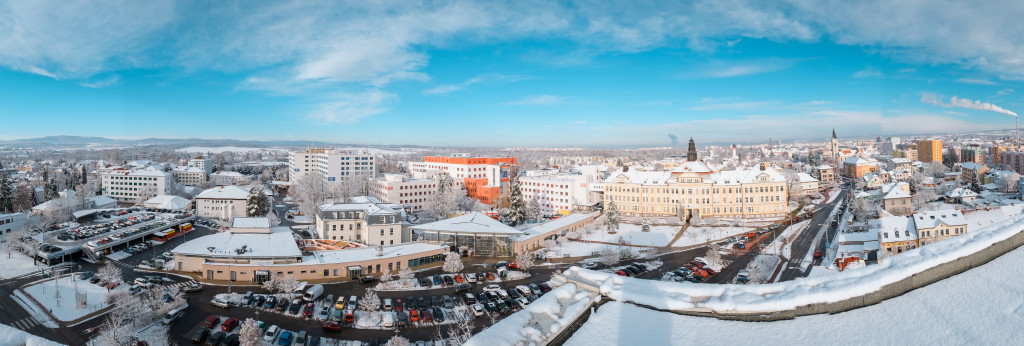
column 448, row 280
column 448, row 302
column 220, row 303
column 324, row 314
column 544, row 287
column 590, row 265
column 199, row 335
column 491, row 288
column 307, row 311
column 414, row 315
column 463, row 287
column 399, row 305
column 193, row 287
column 817, row 253
column 437, row 279
column 285, row 339
column 438, row 314
column 469, row 298
column 271, row 302
column 536, row 289
column 301, row 338
column 172, row 316
column 295, row 306
column 211, row 321
column 426, row 316
column 367, row 280
column 332, row 326
column 216, row 338
column 471, row 277
column 340, row 303
column 337, row 316
column 270, row 334
column 350, row 316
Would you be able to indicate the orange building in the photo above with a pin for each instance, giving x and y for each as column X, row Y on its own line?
column 485, row 178
column 929, row 150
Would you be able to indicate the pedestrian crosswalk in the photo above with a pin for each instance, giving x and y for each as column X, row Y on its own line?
column 26, row 323
column 126, row 265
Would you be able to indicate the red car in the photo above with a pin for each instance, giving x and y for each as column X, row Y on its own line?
column 621, row 273
column 817, row 253
column 332, row 327
column 308, row 310
column 211, row 321
column 414, row 315
column 350, row 316
column 427, row 316
column 514, row 265
column 229, row 325
column 490, row 276
column 399, row 305
column 458, row 278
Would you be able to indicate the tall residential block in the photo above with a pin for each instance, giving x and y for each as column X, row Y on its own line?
column 929, row 150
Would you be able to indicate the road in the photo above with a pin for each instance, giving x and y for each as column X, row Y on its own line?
column 805, row 240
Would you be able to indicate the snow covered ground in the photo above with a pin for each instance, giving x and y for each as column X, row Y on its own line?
column 632, row 234
column 541, row 320
column 828, row 287
column 703, row 234
column 64, row 307
column 13, row 336
column 977, row 307
column 19, row 264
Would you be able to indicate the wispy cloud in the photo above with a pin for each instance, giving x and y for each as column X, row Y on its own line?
column 744, row 68
column 976, row 81
column 537, row 100
column 964, row 103
column 816, row 103
column 712, row 104
column 101, row 83
column 1003, row 92
column 347, row 108
column 579, row 122
column 869, row 72
column 483, row 78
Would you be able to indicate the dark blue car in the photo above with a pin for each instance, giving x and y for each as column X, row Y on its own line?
column 437, row 279
column 285, row 339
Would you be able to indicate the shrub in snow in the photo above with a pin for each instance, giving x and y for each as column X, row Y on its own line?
column 516, row 275
column 397, row 340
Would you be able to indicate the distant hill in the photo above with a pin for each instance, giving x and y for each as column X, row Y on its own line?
column 81, row 141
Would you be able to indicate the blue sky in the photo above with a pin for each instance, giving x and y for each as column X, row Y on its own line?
column 517, row 74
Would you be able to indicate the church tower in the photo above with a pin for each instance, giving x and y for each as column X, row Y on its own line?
column 691, row 152
column 835, row 148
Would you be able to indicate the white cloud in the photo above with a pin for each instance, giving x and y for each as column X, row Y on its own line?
column 976, row 81
column 536, row 100
column 1006, row 91
column 483, row 78
column 579, row 122
column 964, row 103
column 101, row 83
column 725, row 69
column 869, row 72
column 816, row 103
column 712, row 104
column 347, row 108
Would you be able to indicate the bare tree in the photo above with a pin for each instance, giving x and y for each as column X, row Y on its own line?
column 369, row 301
column 608, row 256
column 249, row 335
column 524, row 260
column 110, row 273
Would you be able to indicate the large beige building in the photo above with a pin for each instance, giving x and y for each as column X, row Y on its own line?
column 222, row 202
column 694, row 189
column 412, row 192
column 128, row 185
column 364, row 220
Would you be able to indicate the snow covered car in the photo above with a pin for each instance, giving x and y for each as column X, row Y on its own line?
column 194, row 287
column 221, row 303
column 478, row 309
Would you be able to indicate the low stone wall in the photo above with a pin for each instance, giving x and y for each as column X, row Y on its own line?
column 892, row 290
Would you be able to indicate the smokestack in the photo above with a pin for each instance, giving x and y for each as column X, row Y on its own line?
column 675, row 140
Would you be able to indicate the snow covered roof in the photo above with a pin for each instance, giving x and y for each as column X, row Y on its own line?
column 900, row 160
column 823, row 167
column 474, row 222
column 226, row 174
column 991, row 186
column 552, row 225
column 278, row 243
column 961, row 193
column 854, row 160
column 188, row 169
column 225, row 192
column 640, row 177
column 368, row 208
column 896, row 192
column 933, row 218
column 693, row 166
column 972, row 166
column 370, row 253
column 894, row 228
column 250, row 222
column 145, row 172
column 365, row 199
column 805, row 178
column 167, row 202
column 745, row 176
column 102, row 200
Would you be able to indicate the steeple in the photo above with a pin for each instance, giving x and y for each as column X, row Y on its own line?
column 833, row 133
column 691, row 151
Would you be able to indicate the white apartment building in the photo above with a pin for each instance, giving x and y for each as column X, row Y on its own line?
column 558, row 194
column 222, row 178
column 412, row 192
column 222, row 202
column 364, row 220
column 11, row 222
column 127, row 185
column 189, row 176
column 203, row 163
column 332, row 164
column 484, row 177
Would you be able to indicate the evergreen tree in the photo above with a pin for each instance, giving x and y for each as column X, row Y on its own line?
column 645, row 225
column 517, row 205
column 85, row 175
column 6, row 194
column 975, row 187
column 611, row 216
column 257, row 204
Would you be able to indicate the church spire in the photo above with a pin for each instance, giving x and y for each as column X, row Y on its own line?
column 833, row 133
column 691, row 151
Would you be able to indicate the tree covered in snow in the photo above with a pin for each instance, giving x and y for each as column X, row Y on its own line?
column 1008, row 182
column 249, row 334
column 525, row 260
column 608, row 256
column 533, row 209
column 611, row 220
column 762, row 268
column 462, row 330
column 257, row 203
column 309, row 190
column 6, row 193
column 385, row 276
column 573, row 235
column 397, row 340
column 923, row 196
column 516, row 205
column 110, row 273
column 281, row 283
column 446, row 199
column 146, row 193
column 452, row 263
column 714, row 256
column 406, row 274
column 370, row 301
column 17, row 239
column 116, row 329
column 549, row 244
column 645, row 225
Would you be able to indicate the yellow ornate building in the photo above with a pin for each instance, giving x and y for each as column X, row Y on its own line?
column 695, row 189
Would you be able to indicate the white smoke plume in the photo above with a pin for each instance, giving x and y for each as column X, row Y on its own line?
column 965, row 103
